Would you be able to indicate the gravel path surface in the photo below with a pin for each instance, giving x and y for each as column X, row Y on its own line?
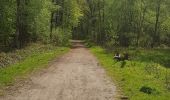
column 75, row 76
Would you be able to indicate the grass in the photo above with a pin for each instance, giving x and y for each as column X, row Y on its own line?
column 12, row 57
column 143, row 74
column 31, row 63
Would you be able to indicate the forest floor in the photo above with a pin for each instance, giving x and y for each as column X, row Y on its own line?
column 75, row 76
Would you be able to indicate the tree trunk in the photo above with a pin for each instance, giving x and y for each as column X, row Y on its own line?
column 157, row 24
column 18, row 25
column 51, row 27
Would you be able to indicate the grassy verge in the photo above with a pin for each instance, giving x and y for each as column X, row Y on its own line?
column 32, row 62
column 142, row 78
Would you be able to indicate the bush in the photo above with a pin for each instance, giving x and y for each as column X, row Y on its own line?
column 148, row 90
column 61, row 38
column 88, row 44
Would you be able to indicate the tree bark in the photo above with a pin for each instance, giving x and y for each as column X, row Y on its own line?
column 18, row 25
column 157, row 22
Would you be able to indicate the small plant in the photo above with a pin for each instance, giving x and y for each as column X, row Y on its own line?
column 88, row 45
column 123, row 64
column 149, row 69
column 153, row 69
column 148, row 90
column 167, row 80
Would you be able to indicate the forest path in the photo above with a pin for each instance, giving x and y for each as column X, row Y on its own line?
column 75, row 76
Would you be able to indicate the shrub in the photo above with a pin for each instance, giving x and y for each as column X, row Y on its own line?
column 148, row 90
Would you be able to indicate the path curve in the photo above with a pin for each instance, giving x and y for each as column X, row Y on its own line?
column 75, row 76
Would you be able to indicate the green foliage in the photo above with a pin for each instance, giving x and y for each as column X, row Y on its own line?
column 27, row 21
column 135, row 22
column 138, row 23
column 61, row 37
column 7, row 21
column 39, row 12
column 73, row 13
column 34, row 19
column 67, row 17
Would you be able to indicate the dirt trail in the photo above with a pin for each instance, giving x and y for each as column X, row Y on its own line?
column 75, row 76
